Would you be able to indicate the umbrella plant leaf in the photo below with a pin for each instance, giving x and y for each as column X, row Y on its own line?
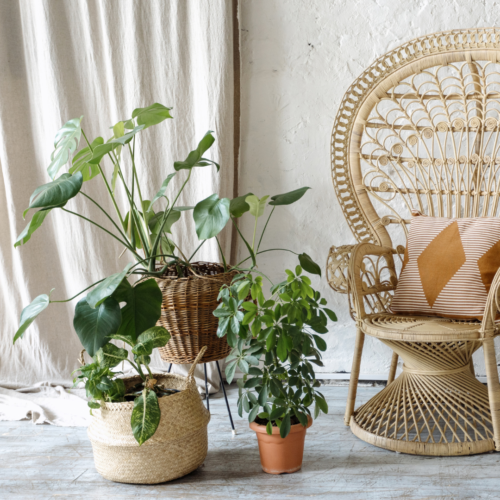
column 56, row 193
column 210, row 216
column 94, row 326
column 194, row 157
column 30, row 312
column 152, row 115
column 65, row 143
column 106, row 288
column 145, row 416
column 309, row 265
column 288, row 198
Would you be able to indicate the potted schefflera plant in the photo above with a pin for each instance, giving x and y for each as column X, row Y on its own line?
column 137, row 421
column 277, row 340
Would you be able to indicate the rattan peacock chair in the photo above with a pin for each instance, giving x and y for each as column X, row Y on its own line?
column 419, row 130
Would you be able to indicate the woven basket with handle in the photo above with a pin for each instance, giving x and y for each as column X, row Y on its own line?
column 187, row 313
column 178, row 446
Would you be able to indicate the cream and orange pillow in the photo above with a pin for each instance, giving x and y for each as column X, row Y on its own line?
column 448, row 267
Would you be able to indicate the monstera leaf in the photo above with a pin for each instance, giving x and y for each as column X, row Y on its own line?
column 143, row 307
column 29, row 314
column 94, row 326
column 81, row 161
column 194, row 158
column 288, row 198
column 145, row 416
column 56, row 193
column 32, row 226
column 114, row 143
column 210, row 216
column 163, row 188
column 257, row 206
column 65, row 143
column 152, row 115
column 106, row 288
column 239, row 206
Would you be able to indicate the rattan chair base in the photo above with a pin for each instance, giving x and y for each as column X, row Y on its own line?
column 429, row 449
column 435, row 407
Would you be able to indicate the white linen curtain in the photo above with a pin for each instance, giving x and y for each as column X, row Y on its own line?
column 60, row 59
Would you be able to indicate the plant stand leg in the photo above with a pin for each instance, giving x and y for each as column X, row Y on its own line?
column 169, row 368
column 353, row 384
column 493, row 388
column 206, row 387
column 392, row 371
column 225, row 397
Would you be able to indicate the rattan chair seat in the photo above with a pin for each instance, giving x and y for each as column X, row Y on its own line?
column 420, row 328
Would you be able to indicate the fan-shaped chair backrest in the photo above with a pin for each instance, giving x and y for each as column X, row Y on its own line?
column 420, row 130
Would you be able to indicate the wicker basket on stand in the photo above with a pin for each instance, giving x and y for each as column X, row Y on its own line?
column 187, row 313
column 178, row 446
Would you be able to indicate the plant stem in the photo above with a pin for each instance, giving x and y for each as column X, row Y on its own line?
column 79, row 293
column 222, row 255
column 107, row 215
column 99, row 226
column 268, row 250
column 134, row 176
column 194, row 253
column 164, row 218
column 105, row 182
column 264, row 230
column 254, row 233
column 252, row 254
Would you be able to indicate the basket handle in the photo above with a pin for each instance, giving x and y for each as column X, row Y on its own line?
column 196, row 361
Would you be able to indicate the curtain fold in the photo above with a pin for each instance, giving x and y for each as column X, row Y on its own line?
column 61, row 59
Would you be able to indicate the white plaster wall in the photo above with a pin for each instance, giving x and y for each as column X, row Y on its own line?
column 298, row 59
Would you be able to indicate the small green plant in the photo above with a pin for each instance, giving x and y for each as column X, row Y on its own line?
column 276, row 340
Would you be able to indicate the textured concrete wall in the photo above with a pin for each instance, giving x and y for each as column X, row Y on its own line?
column 298, row 59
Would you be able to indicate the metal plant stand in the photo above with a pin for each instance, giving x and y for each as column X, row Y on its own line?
column 207, row 396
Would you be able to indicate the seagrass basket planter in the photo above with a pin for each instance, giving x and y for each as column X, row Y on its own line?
column 187, row 313
column 178, row 447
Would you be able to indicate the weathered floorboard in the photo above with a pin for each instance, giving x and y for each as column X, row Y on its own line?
column 46, row 462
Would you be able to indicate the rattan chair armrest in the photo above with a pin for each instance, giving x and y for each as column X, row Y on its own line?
column 337, row 267
column 359, row 288
column 492, row 308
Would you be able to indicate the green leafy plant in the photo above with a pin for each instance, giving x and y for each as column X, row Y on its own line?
column 115, row 308
column 276, row 340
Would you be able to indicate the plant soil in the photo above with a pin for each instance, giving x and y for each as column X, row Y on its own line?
column 200, row 268
column 263, row 421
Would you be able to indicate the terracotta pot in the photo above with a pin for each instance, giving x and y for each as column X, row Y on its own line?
column 278, row 455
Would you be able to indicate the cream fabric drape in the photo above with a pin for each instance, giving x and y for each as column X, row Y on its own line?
column 61, row 59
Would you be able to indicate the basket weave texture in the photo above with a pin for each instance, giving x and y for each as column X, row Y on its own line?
column 187, row 313
column 178, row 446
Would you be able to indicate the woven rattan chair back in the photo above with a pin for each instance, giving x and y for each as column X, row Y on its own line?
column 419, row 130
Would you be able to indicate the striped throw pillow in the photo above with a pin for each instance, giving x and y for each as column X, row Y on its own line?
column 448, row 268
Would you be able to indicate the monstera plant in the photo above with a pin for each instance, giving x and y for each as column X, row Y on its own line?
column 116, row 307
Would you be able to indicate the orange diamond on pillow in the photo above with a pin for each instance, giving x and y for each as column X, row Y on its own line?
column 440, row 261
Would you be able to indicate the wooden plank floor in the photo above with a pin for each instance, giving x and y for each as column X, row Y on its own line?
column 42, row 462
